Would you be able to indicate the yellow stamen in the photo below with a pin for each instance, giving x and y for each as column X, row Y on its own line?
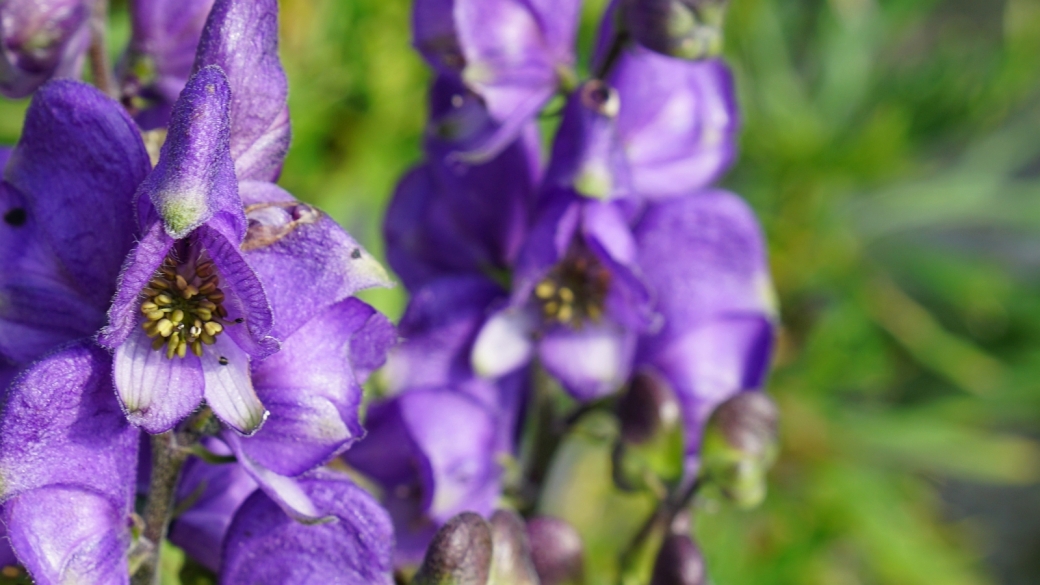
column 177, row 316
column 164, row 327
column 213, row 328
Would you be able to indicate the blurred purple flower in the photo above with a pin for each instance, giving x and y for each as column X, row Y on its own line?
column 41, row 40
column 513, row 54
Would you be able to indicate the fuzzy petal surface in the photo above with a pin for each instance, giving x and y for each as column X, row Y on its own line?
column 41, row 40
column 156, row 392
column 241, row 37
column 264, row 545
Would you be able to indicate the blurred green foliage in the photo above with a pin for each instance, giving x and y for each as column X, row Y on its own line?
column 892, row 150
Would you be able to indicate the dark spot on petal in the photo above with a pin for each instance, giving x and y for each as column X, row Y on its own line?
column 239, row 320
column 16, row 217
column 222, row 361
column 356, row 253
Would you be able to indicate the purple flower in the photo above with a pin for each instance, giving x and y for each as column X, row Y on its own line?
column 432, row 451
column 40, row 40
column 160, row 57
column 690, row 29
column 704, row 258
column 513, row 54
column 263, row 545
column 453, row 218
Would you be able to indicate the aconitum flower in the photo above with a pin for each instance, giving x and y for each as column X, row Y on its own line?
column 704, row 258
column 513, row 54
column 161, row 56
column 40, row 40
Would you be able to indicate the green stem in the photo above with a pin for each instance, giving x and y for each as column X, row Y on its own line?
column 167, row 462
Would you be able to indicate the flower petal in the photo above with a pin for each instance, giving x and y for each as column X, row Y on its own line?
column 138, row 270
column 41, row 40
column 194, row 180
column 285, row 491
column 591, row 361
column 79, row 153
column 312, row 393
column 265, row 546
column 678, row 121
column 306, row 261
column 156, row 392
column 505, row 343
column 241, row 37
column 229, row 387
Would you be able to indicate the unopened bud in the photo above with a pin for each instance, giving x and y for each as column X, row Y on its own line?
column 41, row 40
column 511, row 563
column 460, row 553
column 679, row 562
column 689, row 29
column 650, row 450
column 556, row 551
column 740, row 445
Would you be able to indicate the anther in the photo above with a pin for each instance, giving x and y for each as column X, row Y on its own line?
column 213, row 328
column 208, row 287
column 158, row 342
column 164, row 327
column 566, row 295
column 190, row 291
column 163, row 299
column 159, row 284
column 204, row 314
column 155, row 315
column 216, row 297
column 545, row 290
column 149, row 307
column 177, row 317
column 182, row 349
column 196, row 348
column 205, row 270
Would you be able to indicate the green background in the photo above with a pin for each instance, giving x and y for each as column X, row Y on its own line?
column 892, row 151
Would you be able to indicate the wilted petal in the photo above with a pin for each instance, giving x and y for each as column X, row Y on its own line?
column 157, row 392
column 434, row 453
column 161, row 54
column 80, row 153
column 591, row 361
column 67, row 458
column 505, row 342
column 264, row 545
column 229, row 388
column 678, row 121
column 311, row 392
column 215, row 492
column 241, row 37
column 194, row 180
column 41, row 40
column 306, row 261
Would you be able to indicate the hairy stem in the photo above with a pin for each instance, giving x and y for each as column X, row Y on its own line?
column 104, row 78
column 167, row 461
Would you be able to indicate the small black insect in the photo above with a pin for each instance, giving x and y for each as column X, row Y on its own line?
column 16, row 217
column 239, row 320
column 356, row 253
column 222, row 361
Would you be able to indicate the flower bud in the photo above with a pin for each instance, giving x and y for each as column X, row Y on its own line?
column 740, row 444
column 689, row 29
column 511, row 563
column 650, row 451
column 556, row 551
column 679, row 562
column 41, row 39
column 460, row 553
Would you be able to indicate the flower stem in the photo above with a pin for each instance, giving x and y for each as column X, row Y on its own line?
column 656, row 525
column 104, row 78
column 167, row 461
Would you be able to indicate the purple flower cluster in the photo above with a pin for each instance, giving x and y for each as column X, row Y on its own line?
column 137, row 286
column 178, row 332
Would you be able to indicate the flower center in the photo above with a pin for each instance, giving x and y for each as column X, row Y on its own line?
column 183, row 307
column 574, row 291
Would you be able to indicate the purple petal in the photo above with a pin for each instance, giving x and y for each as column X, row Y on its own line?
column 79, row 153
column 265, row 546
column 505, row 342
column 156, row 392
column 41, row 40
column 371, row 344
column 713, row 362
column 67, row 456
column 311, row 392
column 678, row 121
column 285, row 491
column 306, row 261
column 194, row 180
column 241, row 37
column 139, row 268
column 703, row 255
column 216, row 493
column 439, row 327
column 591, row 361
column 229, row 388
column 161, row 54
column 434, row 453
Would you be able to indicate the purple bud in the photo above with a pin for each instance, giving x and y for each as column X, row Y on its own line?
column 556, row 551
column 689, row 29
column 460, row 553
column 40, row 40
column 512, row 556
column 679, row 562
column 748, row 422
column 740, row 444
column 648, row 408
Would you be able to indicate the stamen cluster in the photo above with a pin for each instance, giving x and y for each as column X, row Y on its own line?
column 574, row 291
column 183, row 307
